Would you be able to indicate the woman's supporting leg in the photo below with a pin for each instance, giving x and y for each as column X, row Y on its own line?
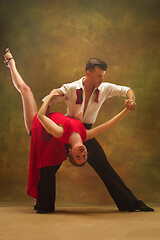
column 29, row 104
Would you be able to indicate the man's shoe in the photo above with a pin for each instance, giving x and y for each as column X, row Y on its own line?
column 41, row 211
column 139, row 206
column 143, row 207
column 44, row 211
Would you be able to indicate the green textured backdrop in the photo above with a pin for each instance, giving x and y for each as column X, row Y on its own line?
column 51, row 42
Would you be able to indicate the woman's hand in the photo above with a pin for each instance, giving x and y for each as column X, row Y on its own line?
column 56, row 97
column 55, row 93
column 130, row 104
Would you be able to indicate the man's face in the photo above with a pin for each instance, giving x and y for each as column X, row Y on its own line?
column 97, row 76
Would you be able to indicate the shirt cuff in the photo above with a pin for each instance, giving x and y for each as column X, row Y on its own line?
column 124, row 91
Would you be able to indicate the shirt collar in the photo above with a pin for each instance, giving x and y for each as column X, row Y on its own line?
column 80, row 85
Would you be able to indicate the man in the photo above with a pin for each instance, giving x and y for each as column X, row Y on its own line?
column 84, row 100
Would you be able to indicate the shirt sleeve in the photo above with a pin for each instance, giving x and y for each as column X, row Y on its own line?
column 65, row 88
column 111, row 90
column 62, row 90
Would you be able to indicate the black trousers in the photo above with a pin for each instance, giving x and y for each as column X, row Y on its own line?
column 122, row 196
column 47, row 188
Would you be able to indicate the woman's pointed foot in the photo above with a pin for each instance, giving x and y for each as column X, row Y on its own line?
column 7, row 57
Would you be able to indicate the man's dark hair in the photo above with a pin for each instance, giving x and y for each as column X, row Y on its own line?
column 96, row 62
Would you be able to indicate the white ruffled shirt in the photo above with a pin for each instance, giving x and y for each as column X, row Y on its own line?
column 74, row 110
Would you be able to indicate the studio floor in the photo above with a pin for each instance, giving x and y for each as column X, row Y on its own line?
column 87, row 223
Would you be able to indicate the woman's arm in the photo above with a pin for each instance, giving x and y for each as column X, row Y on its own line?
column 101, row 128
column 51, row 127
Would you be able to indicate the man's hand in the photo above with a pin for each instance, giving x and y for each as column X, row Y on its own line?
column 130, row 104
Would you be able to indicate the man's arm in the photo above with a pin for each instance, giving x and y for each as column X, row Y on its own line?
column 131, row 94
column 130, row 101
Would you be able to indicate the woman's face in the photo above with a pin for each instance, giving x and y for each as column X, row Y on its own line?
column 79, row 153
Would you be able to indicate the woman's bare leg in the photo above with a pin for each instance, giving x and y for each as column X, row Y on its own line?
column 29, row 105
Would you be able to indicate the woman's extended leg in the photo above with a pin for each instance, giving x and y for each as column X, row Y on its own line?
column 29, row 104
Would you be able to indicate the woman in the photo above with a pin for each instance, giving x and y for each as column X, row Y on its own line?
column 49, row 134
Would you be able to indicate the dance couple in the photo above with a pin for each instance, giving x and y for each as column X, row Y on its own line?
column 55, row 136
